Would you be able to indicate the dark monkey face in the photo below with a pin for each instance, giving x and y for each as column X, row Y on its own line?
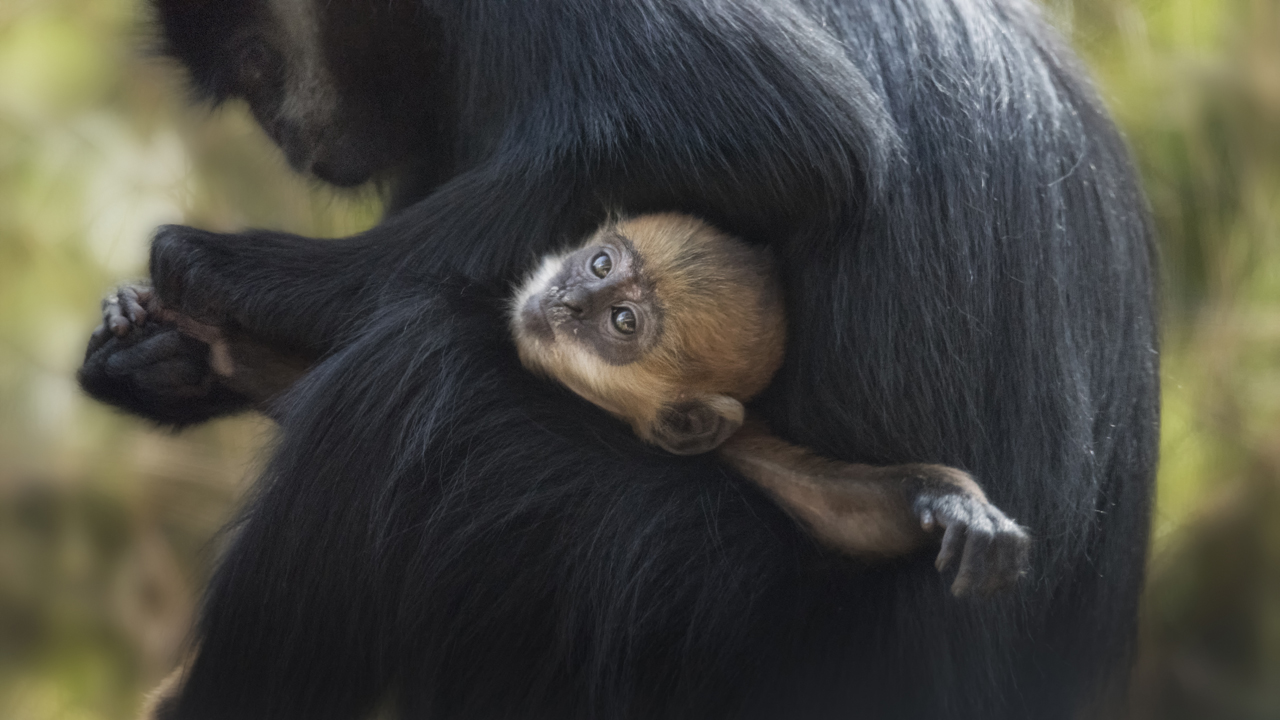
column 343, row 87
column 596, row 296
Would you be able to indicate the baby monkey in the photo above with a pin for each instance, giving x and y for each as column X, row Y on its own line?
column 671, row 326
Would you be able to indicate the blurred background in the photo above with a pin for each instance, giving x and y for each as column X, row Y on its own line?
column 108, row 527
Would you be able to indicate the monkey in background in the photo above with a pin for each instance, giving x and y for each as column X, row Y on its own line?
column 672, row 326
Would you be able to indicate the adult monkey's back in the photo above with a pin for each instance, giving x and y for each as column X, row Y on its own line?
column 969, row 279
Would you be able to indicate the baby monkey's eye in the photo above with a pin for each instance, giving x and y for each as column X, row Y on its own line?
column 624, row 320
column 601, row 265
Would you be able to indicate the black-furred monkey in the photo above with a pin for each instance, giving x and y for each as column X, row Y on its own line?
column 969, row 281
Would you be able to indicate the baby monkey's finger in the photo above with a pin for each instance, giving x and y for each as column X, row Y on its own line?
column 134, row 300
column 975, row 563
column 952, row 543
column 113, row 316
column 126, row 308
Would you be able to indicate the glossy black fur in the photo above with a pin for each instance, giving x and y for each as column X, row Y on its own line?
column 970, row 282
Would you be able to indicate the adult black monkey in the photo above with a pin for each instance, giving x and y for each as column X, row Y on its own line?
column 970, row 278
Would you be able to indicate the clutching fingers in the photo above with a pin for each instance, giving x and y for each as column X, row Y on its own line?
column 126, row 308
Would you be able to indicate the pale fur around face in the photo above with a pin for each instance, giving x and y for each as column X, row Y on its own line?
column 724, row 330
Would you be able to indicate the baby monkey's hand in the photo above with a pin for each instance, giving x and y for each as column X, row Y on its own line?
column 151, row 361
column 130, row 307
column 993, row 549
column 127, row 307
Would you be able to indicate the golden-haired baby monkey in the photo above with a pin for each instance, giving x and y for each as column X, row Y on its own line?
column 672, row 325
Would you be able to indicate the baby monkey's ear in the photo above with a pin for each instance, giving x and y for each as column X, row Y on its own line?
column 697, row 425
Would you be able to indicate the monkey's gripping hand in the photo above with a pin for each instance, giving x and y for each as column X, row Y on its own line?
column 139, row 360
column 993, row 549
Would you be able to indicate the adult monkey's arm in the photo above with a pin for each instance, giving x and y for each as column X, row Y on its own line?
column 233, row 319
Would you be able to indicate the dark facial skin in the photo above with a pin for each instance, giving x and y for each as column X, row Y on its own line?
column 599, row 297
column 367, row 98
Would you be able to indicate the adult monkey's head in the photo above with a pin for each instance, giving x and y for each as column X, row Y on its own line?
column 344, row 87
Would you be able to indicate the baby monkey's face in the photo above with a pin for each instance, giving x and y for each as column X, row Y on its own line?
column 660, row 320
column 596, row 297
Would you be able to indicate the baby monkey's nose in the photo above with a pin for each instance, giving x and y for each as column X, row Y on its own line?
column 575, row 299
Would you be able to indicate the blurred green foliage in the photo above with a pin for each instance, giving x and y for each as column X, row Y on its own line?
column 1195, row 84
column 108, row 527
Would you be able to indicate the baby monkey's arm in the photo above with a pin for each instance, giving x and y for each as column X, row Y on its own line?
column 886, row 511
